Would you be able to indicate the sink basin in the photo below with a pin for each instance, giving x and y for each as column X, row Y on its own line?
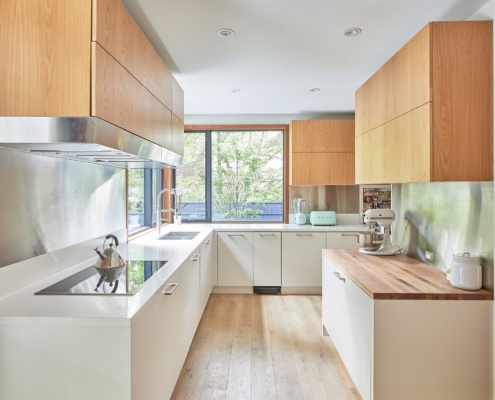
column 178, row 236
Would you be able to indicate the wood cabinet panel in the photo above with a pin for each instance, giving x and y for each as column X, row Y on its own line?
column 322, row 136
column 400, row 150
column 322, row 168
column 118, row 33
column 436, row 122
column 177, row 100
column 177, row 144
column 462, row 101
column 120, row 99
column 46, row 61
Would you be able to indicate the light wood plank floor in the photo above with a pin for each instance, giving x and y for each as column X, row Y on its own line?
column 261, row 348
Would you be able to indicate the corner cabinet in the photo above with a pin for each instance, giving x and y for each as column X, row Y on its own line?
column 321, row 152
column 427, row 114
column 88, row 58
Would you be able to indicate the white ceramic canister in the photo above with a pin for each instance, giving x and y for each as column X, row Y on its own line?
column 465, row 271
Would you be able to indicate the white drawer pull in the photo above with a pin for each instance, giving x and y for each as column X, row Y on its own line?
column 208, row 242
column 232, row 235
column 267, row 234
column 170, row 288
column 338, row 276
column 303, row 234
column 195, row 257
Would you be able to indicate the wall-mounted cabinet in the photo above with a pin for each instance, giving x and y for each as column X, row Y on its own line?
column 427, row 114
column 88, row 58
column 321, row 152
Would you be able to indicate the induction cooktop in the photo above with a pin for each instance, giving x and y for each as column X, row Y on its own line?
column 85, row 282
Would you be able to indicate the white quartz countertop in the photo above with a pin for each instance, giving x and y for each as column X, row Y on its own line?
column 24, row 307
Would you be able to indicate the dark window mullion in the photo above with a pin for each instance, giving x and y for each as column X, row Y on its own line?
column 208, row 182
column 148, row 197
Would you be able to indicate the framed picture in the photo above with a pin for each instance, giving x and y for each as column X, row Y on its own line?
column 375, row 196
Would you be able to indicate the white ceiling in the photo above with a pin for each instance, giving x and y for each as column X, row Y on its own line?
column 282, row 48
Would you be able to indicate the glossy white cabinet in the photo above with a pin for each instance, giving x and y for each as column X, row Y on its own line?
column 301, row 262
column 267, row 268
column 342, row 240
column 235, row 260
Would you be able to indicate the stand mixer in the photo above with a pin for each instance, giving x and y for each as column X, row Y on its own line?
column 384, row 218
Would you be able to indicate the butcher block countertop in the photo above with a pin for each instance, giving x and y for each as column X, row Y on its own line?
column 399, row 277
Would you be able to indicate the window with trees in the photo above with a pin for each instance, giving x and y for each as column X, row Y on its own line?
column 233, row 175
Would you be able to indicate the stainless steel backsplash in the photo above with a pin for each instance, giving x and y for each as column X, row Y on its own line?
column 48, row 204
column 445, row 218
column 342, row 199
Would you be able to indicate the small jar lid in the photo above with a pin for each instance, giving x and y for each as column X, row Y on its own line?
column 465, row 257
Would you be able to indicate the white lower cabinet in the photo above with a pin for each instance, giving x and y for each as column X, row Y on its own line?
column 409, row 349
column 267, row 258
column 162, row 331
column 235, row 260
column 347, row 314
column 342, row 240
column 301, row 262
column 208, row 265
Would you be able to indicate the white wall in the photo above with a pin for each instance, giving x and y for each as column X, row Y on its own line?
column 485, row 12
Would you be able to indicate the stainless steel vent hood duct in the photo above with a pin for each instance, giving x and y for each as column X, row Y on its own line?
column 85, row 139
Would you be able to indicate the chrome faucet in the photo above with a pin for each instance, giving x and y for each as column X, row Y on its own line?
column 159, row 211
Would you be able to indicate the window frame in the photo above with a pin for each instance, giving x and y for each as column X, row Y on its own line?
column 242, row 128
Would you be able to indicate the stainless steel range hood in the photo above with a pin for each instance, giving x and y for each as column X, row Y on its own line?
column 85, row 139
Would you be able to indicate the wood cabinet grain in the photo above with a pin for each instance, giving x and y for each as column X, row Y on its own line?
column 321, row 152
column 46, row 61
column 446, row 68
column 118, row 33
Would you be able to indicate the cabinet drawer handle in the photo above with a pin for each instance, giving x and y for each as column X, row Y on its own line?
column 170, row 288
column 267, row 234
column 338, row 276
column 303, row 234
column 232, row 235
column 208, row 242
column 195, row 257
column 349, row 234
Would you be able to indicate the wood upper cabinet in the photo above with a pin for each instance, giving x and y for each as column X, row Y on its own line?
column 321, row 152
column 427, row 114
column 46, row 61
column 86, row 58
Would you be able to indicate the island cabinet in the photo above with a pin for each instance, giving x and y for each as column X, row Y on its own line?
column 403, row 332
column 427, row 114
column 87, row 58
column 321, row 152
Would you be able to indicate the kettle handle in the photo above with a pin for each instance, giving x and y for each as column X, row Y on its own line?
column 115, row 240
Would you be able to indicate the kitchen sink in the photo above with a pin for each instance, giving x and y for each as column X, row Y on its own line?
column 178, row 236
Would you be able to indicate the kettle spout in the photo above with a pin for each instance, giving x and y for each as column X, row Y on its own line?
column 103, row 258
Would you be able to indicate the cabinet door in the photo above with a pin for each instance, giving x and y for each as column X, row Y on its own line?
column 208, row 269
column 342, row 240
column 235, row 259
column 195, row 309
column 267, row 259
column 301, row 259
column 324, row 136
column 152, row 331
column 117, row 97
column 322, row 168
column 348, row 318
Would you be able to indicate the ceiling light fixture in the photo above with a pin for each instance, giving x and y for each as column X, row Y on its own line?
column 225, row 32
column 314, row 90
column 352, row 31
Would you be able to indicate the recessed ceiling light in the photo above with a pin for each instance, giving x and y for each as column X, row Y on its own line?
column 314, row 90
column 352, row 31
column 236, row 90
column 225, row 32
